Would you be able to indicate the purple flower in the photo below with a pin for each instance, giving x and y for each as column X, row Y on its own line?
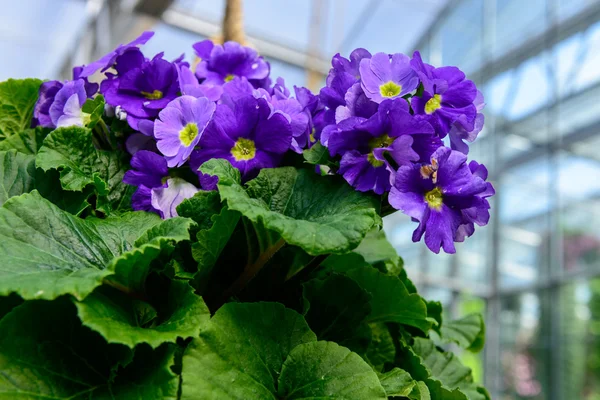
column 143, row 90
column 293, row 110
column 166, row 198
column 357, row 105
column 220, row 64
column 478, row 213
column 249, row 136
column 47, row 95
column 458, row 134
column 447, row 97
column 386, row 76
column 148, row 172
column 110, row 59
column 65, row 110
column 235, row 89
column 188, row 84
column 138, row 141
column 180, row 125
column 363, row 143
column 41, row 110
column 443, row 197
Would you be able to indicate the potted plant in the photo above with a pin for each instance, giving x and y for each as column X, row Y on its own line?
column 171, row 231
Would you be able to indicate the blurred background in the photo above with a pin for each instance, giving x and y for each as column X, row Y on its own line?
column 534, row 271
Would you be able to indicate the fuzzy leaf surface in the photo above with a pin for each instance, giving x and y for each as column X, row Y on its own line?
column 320, row 214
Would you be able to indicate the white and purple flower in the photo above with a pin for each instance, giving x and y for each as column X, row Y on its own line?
column 180, row 126
column 386, row 76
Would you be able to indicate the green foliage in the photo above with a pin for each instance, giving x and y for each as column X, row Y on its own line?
column 321, row 215
column 47, row 252
column 17, row 98
column 273, row 356
column 28, row 141
column 72, row 152
column 17, row 174
column 307, row 296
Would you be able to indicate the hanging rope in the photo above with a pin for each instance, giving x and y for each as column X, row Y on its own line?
column 233, row 22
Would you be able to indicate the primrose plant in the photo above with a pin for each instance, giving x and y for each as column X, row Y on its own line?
column 196, row 230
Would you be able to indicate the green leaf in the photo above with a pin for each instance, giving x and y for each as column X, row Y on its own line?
column 72, row 152
column 410, row 286
column 341, row 263
column 334, row 307
column 325, row 370
column 468, row 332
column 149, row 376
column 115, row 315
column 420, row 392
column 381, row 349
column 241, row 351
column 375, row 247
column 17, row 99
column 217, row 224
column 444, row 367
column 397, row 382
column 132, row 267
column 47, row 183
column 46, row 353
column 317, row 155
column 28, row 141
column 94, row 108
column 16, row 174
column 434, row 311
column 391, row 301
column 47, row 252
column 201, row 208
column 320, row 214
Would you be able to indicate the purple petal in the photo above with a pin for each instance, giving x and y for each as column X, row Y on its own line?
column 166, row 199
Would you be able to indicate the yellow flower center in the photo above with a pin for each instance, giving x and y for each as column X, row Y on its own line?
column 156, row 95
column 188, row 134
column 229, row 77
column 373, row 161
column 433, row 104
column 243, row 150
column 380, row 142
column 390, row 89
column 434, row 198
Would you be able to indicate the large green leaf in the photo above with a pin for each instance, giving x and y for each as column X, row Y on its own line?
column 397, row 382
column 320, row 214
column 325, row 370
column 216, row 223
column 117, row 316
column 391, row 301
column 17, row 98
column 17, row 174
column 46, row 353
column 47, row 183
column 334, row 307
column 28, row 141
column 47, row 252
column 376, row 248
column 468, row 332
column 72, row 152
column 265, row 351
column 240, row 353
column 448, row 378
column 132, row 267
column 381, row 350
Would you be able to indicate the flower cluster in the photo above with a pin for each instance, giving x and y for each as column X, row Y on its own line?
column 383, row 119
